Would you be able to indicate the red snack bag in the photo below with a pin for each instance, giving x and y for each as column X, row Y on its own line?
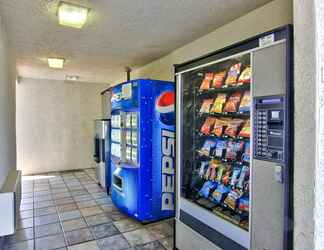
column 245, row 131
column 206, row 105
column 219, row 126
column 233, row 74
column 233, row 127
column 218, row 79
column 205, row 85
column 232, row 103
column 208, row 124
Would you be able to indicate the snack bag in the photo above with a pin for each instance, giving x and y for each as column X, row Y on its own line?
column 232, row 103
column 235, row 176
column 230, row 151
column 218, row 79
column 205, row 106
column 245, row 77
column 244, row 204
column 220, row 148
column 227, row 176
column 246, row 154
column 232, row 199
column 245, row 102
column 243, row 176
column 203, row 168
column 213, row 169
column 207, row 148
column 245, row 131
column 233, row 74
column 207, row 188
column 219, row 127
column 219, row 103
column 221, row 171
column 207, row 126
column 205, row 85
column 233, row 127
column 220, row 193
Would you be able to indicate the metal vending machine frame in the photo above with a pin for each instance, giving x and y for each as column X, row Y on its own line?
column 270, row 189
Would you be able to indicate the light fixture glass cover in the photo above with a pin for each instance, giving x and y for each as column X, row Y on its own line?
column 72, row 15
column 55, row 63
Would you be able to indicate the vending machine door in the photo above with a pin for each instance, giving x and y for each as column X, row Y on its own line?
column 270, row 189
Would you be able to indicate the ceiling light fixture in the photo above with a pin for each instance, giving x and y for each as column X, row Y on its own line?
column 72, row 15
column 56, row 63
column 71, row 78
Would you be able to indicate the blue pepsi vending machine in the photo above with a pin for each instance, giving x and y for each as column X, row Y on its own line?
column 143, row 148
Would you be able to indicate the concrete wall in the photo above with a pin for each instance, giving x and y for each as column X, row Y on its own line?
column 55, row 124
column 7, row 107
column 271, row 15
column 319, row 171
column 305, row 124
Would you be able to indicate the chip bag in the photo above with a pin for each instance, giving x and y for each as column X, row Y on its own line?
column 232, row 103
column 219, row 103
column 220, row 193
column 203, row 168
column 243, row 176
column 245, row 102
column 207, row 148
column 233, row 127
column 235, row 176
column 220, row 172
column 207, row 188
column 245, row 131
column 245, row 77
column 218, row 79
column 205, row 106
column 246, row 154
column 205, row 85
column 207, row 126
column 227, row 176
column 219, row 127
column 233, row 74
column 244, row 204
column 232, row 199
column 220, row 148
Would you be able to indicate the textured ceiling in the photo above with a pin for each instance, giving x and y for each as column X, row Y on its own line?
column 119, row 33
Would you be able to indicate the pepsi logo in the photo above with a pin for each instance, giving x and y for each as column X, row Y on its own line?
column 165, row 107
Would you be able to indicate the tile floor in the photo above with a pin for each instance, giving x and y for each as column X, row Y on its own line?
column 68, row 210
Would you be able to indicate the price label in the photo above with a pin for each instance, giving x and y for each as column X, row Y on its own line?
column 266, row 40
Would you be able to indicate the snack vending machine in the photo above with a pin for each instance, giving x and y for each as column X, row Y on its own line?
column 102, row 151
column 234, row 147
column 143, row 148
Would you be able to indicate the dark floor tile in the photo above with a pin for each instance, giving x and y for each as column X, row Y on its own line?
column 150, row 246
column 79, row 193
column 45, row 211
column 50, row 242
column 67, row 207
column 84, row 204
column 98, row 219
column 100, row 195
column 161, row 230
column 116, row 242
column 85, row 197
column 25, row 223
column 23, row 245
column 88, row 211
column 78, row 236
column 139, row 237
column 49, row 229
column 70, row 215
column 104, row 230
column 28, row 206
column 46, row 219
column 20, row 235
column 116, row 215
column 128, row 224
column 108, row 208
column 26, row 214
column 103, row 201
column 71, row 225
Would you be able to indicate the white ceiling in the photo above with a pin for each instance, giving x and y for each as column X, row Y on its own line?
column 119, row 33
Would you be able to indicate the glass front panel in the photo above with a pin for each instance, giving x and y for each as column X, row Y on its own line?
column 216, row 138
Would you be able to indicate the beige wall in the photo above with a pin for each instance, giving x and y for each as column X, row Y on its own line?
column 7, row 107
column 272, row 15
column 55, row 124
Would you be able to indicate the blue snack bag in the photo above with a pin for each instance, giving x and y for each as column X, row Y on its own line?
column 207, row 188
